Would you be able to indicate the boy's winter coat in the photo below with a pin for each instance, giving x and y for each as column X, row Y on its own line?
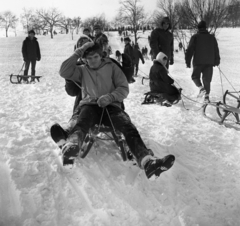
column 162, row 41
column 203, row 47
column 107, row 78
column 31, row 50
column 160, row 82
column 74, row 89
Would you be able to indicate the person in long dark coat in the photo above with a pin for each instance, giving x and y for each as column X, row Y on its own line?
column 128, row 50
column 161, row 40
column 203, row 48
column 31, row 53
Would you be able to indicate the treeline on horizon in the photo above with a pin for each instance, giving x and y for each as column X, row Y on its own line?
column 183, row 14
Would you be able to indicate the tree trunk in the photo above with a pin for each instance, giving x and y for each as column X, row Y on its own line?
column 51, row 31
column 135, row 35
column 6, row 32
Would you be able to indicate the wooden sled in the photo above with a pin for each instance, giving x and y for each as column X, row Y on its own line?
column 93, row 135
column 20, row 78
column 159, row 98
column 224, row 110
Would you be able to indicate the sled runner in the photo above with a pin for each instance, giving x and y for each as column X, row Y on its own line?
column 225, row 110
column 59, row 135
column 19, row 78
column 143, row 79
column 160, row 98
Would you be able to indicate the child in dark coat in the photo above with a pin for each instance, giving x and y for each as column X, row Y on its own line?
column 160, row 82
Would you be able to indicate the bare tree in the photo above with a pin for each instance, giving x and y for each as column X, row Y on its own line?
column 233, row 18
column 116, row 22
column 213, row 12
column 76, row 22
column 90, row 22
column 74, row 25
column 65, row 23
column 131, row 14
column 38, row 25
column 8, row 20
column 26, row 18
column 169, row 8
column 52, row 17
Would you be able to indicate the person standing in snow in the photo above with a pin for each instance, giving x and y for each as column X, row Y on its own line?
column 161, row 40
column 146, row 52
column 104, row 87
column 128, row 50
column 160, row 82
column 31, row 53
column 137, row 56
column 203, row 48
column 101, row 39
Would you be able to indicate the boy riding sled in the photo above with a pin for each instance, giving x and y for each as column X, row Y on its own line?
column 104, row 87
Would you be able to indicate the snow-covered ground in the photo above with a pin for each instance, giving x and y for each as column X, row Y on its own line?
column 201, row 189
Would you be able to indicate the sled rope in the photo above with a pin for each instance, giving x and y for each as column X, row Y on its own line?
column 111, row 121
column 21, row 68
column 221, row 73
column 83, row 89
column 188, row 109
column 100, row 120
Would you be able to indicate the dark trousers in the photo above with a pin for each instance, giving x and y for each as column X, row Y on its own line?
column 136, row 68
column 33, row 66
column 129, row 72
column 207, row 72
column 90, row 115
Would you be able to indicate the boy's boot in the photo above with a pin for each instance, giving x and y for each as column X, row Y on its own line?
column 154, row 166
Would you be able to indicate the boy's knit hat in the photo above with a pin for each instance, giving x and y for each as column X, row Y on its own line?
column 202, row 25
column 31, row 32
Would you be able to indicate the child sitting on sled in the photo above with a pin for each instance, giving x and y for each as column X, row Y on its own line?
column 104, row 87
column 161, row 82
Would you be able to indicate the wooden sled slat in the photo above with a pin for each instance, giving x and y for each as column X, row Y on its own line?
column 226, row 107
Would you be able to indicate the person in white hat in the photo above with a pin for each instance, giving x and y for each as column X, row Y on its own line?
column 161, row 82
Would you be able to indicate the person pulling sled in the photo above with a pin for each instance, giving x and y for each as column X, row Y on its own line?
column 104, row 87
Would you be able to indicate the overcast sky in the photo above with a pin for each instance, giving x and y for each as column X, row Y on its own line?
column 71, row 8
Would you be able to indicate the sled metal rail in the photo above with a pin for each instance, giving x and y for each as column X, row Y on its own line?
column 21, row 77
column 224, row 110
column 143, row 79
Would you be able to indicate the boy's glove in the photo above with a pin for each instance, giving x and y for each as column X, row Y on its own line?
column 79, row 51
column 105, row 100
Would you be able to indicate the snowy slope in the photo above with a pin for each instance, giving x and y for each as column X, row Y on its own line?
column 201, row 189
